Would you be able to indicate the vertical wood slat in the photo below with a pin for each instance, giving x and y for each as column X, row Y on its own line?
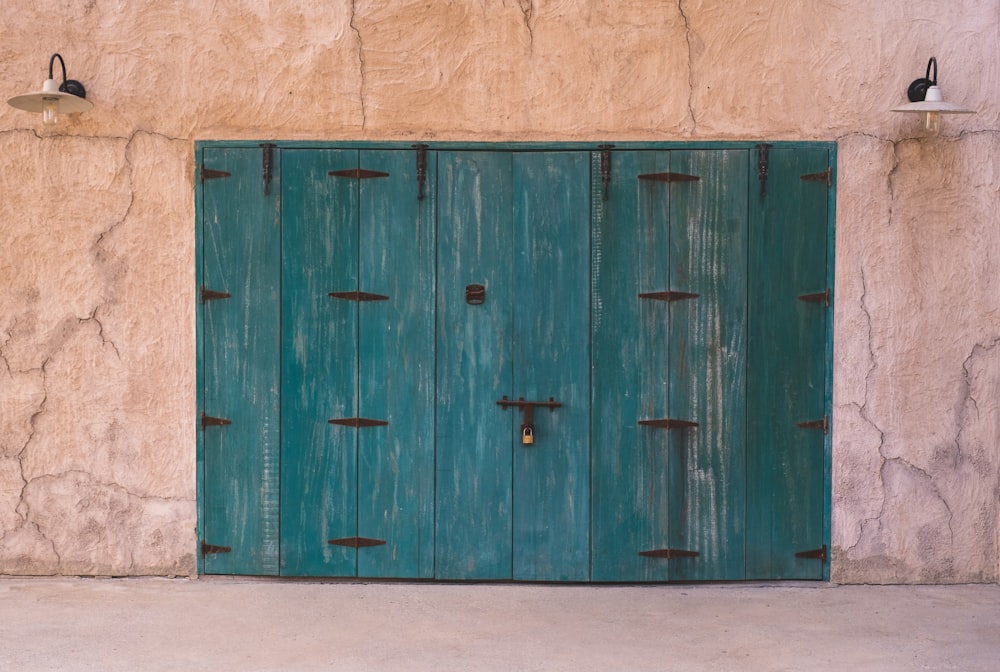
column 787, row 380
column 474, row 444
column 241, row 240
column 396, row 368
column 551, row 336
column 319, row 363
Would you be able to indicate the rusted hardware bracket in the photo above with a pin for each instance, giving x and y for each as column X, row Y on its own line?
column 212, row 295
column 421, row 168
column 762, row 166
column 605, row 168
column 475, row 295
column 358, row 296
column 816, row 554
column 357, row 173
column 826, row 176
column 668, row 423
column 669, row 177
column 819, row 297
column 528, row 408
column 668, row 296
column 208, row 549
column 669, row 553
column 209, row 174
column 268, row 159
column 823, row 424
column 209, row 421
column 356, row 542
column 357, row 422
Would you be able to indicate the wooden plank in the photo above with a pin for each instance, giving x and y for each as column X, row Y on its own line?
column 319, row 363
column 473, row 524
column 631, row 376
column 708, row 238
column 241, row 376
column 396, row 366
column 786, row 463
column 551, row 332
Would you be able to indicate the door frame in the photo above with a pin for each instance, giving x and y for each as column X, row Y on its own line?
column 594, row 146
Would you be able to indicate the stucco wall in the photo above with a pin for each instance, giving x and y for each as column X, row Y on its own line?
column 97, row 310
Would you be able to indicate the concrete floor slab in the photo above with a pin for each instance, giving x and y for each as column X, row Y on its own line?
column 245, row 624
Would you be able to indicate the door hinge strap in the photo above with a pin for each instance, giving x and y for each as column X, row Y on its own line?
column 815, row 554
column 669, row 553
column 762, row 166
column 668, row 296
column 356, row 542
column 819, row 297
column 209, row 421
column 207, row 549
column 357, row 173
column 668, row 423
column 605, row 169
column 669, row 177
column 825, row 176
column 823, row 424
column 358, row 422
column 358, row 296
column 209, row 174
column 212, row 295
column 421, row 169
column 268, row 159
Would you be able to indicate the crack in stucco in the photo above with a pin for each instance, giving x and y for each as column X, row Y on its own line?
column 21, row 508
column 690, row 73
column 527, row 11
column 361, row 64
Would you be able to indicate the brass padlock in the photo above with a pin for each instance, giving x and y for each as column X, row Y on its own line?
column 527, row 435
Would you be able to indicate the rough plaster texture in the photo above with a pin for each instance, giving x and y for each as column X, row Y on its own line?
column 97, row 310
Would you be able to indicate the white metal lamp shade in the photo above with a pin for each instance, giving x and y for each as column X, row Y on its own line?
column 925, row 97
column 54, row 99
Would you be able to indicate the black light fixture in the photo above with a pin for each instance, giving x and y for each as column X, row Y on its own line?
column 925, row 98
column 54, row 99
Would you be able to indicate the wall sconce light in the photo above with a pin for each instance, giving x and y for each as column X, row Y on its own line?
column 66, row 98
column 925, row 97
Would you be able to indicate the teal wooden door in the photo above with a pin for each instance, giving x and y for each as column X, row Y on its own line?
column 516, row 225
column 357, row 366
column 788, row 365
column 240, row 379
column 669, row 355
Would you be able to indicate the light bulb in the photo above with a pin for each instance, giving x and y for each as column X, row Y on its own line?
column 50, row 113
column 932, row 122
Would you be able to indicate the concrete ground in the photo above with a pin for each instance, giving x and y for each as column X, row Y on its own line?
column 224, row 624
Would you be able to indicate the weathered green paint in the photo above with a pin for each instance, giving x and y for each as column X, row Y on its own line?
column 447, row 483
column 241, row 243
column 787, row 367
column 679, row 488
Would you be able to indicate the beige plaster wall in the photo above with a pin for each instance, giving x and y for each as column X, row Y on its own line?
column 97, row 310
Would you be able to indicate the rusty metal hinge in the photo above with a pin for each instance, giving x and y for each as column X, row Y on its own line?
column 421, row 168
column 356, row 542
column 825, row 176
column 212, row 295
column 818, row 297
column 357, row 173
column 668, row 296
column 357, row 422
column 358, row 296
column 209, row 174
column 207, row 549
column 605, row 169
column 475, row 295
column 762, row 166
column 815, row 554
column 823, row 423
column 668, row 423
column 669, row 177
column 268, row 160
column 209, row 421
column 669, row 553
